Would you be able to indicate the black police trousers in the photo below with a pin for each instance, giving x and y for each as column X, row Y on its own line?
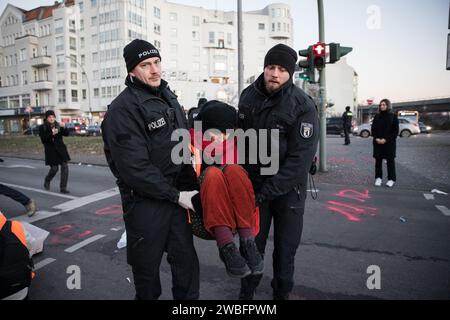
column 154, row 227
column 286, row 212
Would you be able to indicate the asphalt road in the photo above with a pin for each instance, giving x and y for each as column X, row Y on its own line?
column 405, row 231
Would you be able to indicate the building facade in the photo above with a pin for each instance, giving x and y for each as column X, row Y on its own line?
column 68, row 56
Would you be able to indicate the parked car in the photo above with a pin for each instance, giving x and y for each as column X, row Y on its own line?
column 34, row 129
column 94, row 130
column 334, row 126
column 76, row 129
column 424, row 128
column 406, row 129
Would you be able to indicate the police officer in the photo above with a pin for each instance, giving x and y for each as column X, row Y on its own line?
column 137, row 140
column 347, row 124
column 274, row 102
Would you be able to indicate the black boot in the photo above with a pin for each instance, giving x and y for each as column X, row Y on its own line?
column 236, row 265
column 46, row 184
column 248, row 286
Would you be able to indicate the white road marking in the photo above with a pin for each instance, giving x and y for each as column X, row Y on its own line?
column 116, row 229
column 438, row 191
column 39, row 190
column 445, row 211
column 428, row 196
column 313, row 190
column 69, row 205
column 43, row 263
column 17, row 166
column 83, row 243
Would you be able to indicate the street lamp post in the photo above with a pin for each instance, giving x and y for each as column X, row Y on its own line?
column 89, row 87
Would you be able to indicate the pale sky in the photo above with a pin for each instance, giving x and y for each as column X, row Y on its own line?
column 399, row 46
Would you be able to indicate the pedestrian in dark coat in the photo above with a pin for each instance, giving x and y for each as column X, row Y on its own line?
column 385, row 131
column 51, row 133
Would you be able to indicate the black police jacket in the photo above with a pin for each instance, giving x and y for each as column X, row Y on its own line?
column 294, row 114
column 137, row 131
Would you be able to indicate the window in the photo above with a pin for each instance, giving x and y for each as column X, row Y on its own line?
column 196, row 66
column 261, row 26
column 61, row 76
column 24, row 78
column 229, row 39
column 211, row 37
column 95, row 57
column 83, row 60
column 61, row 96
column 93, row 3
column 157, row 44
column 93, row 21
column 73, row 61
column 60, row 60
column 72, row 25
column 173, row 48
column 173, row 16
column 81, row 5
column 35, row 52
column 220, row 66
column 59, row 26
column 196, row 51
column 96, row 92
column 157, row 12
column 74, row 95
column 83, row 93
column 195, row 35
column 157, row 28
column 273, row 27
column 173, row 32
column 59, row 43
column 44, row 51
column 73, row 43
column 82, row 42
column 81, row 25
column 195, row 20
column 73, row 78
column 23, row 53
column 279, row 26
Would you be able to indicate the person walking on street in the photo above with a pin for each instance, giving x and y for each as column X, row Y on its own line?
column 51, row 133
column 18, row 196
column 137, row 131
column 347, row 124
column 385, row 131
column 274, row 102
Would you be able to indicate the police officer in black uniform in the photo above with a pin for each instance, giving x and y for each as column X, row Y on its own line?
column 274, row 102
column 137, row 140
column 347, row 124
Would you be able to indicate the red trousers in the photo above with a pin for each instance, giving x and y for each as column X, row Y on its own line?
column 227, row 198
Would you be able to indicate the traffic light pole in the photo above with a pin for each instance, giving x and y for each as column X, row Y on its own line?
column 323, row 98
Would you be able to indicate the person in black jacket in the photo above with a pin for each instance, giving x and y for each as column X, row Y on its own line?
column 51, row 133
column 274, row 102
column 137, row 131
column 385, row 131
column 347, row 124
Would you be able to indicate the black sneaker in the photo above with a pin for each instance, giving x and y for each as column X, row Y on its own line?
column 64, row 191
column 251, row 254
column 236, row 265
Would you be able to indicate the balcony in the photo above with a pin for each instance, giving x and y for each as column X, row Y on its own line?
column 42, row 85
column 41, row 61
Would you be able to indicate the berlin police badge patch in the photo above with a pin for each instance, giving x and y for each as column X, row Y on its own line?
column 306, row 130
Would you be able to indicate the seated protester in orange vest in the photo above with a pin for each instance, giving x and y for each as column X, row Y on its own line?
column 16, row 265
column 226, row 193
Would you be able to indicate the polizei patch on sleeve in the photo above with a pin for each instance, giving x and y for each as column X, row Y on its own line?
column 306, row 130
column 156, row 124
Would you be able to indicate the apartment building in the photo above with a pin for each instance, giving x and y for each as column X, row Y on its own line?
column 67, row 56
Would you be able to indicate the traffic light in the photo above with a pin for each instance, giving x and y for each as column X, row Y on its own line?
column 336, row 51
column 319, row 55
column 307, row 65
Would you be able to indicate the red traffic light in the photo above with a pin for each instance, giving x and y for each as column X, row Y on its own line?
column 319, row 49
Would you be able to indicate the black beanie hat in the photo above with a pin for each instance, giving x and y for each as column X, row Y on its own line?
column 201, row 102
column 217, row 115
column 49, row 113
column 282, row 55
column 138, row 50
